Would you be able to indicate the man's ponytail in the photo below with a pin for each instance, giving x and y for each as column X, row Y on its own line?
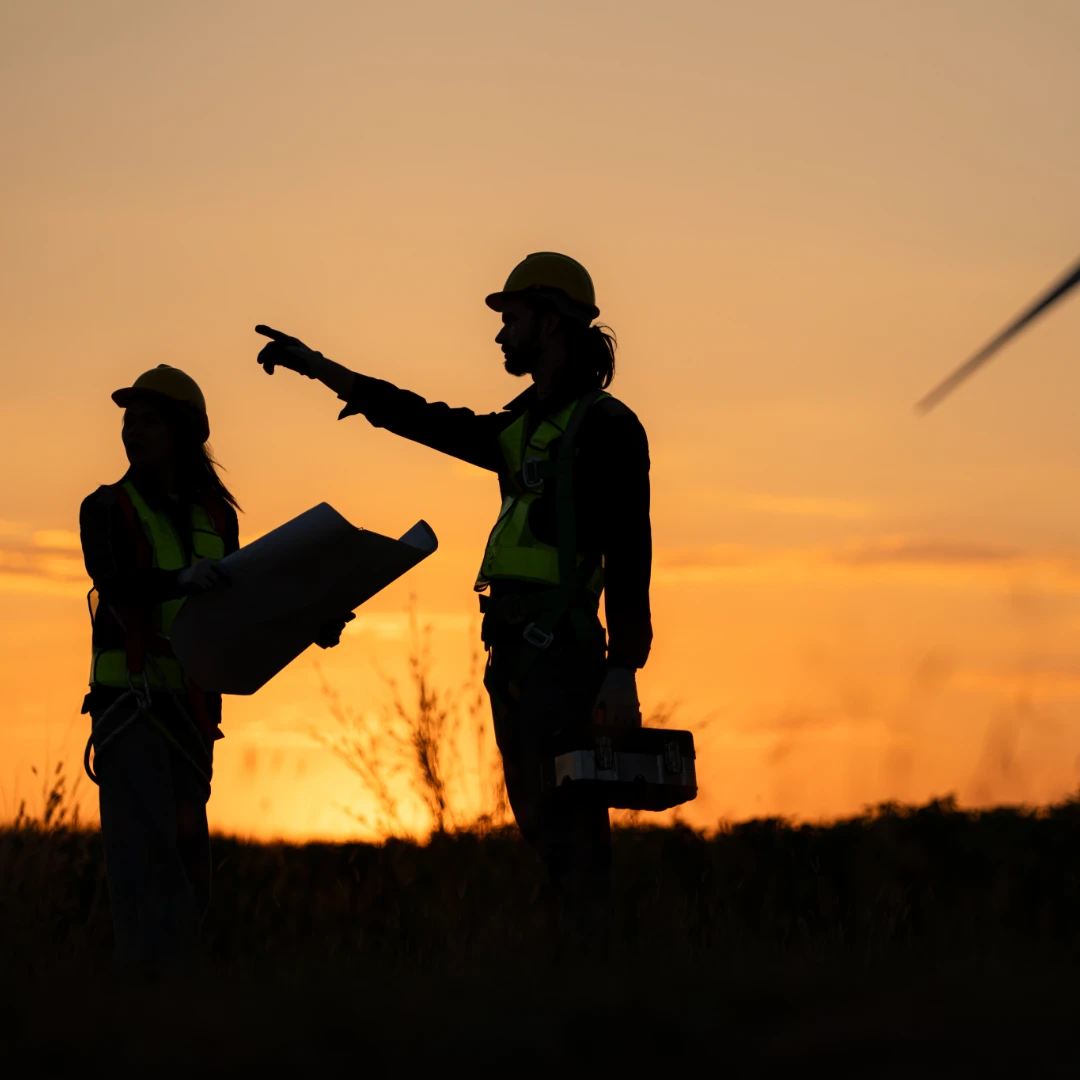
column 591, row 350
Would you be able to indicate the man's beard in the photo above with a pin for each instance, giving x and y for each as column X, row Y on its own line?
column 521, row 360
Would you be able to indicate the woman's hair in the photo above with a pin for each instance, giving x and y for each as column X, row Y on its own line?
column 196, row 466
column 590, row 349
column 201, row 473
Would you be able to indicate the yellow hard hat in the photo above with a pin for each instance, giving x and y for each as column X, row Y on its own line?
column 169, row 382
column 552, row 274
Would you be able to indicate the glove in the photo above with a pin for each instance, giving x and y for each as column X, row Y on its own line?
column 205, row 576
column 288, row 352
column 329, row 633
column 617, row 703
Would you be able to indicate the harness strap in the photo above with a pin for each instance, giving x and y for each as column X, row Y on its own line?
column 560, row 601
column 534, row 471
column 144, row 555
column 195, row 692
column 143, row 709
column 137, row 633
column 518, row 606
column 565, row 519
column 134, row 622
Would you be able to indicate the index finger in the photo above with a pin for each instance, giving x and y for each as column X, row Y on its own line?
column 270, row 332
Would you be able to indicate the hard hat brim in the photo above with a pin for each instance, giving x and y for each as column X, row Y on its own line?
column 127, row 394
column 497, row 301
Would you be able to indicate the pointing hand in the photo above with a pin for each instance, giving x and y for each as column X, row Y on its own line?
column 287, row 352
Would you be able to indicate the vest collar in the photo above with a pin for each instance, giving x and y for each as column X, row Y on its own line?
column 153, row 494
column 522, row 402
column 156, row 497
column 562, row 397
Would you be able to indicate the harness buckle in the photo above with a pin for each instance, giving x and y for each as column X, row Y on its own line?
column 143, row 698
column 530, row 472
column 535, row 636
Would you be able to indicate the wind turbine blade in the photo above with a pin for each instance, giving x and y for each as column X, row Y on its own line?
column 969, row 367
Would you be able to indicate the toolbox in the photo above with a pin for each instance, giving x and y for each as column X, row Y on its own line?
column 627, row 768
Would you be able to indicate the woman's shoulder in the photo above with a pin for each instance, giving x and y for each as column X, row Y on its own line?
column 100, row 513
column 101, row 498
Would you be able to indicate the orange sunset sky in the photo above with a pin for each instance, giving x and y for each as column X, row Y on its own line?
column 799, row 216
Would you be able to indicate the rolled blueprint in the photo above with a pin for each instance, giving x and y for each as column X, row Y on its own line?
column 285, row 586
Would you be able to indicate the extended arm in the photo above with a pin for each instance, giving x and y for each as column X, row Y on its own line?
column 329, row 373
column 461, row 433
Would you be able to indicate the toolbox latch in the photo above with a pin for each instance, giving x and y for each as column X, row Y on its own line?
column 672, row 756
column 605, row 754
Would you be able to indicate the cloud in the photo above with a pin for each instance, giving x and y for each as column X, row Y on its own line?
column 799, row 506
column 1047, row 680
column 45, row 562
column 715, row 556
column 57, row 540
column 931, row 561
column 886, row 550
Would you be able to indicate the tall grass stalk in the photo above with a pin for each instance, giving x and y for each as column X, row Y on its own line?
column 409, row 754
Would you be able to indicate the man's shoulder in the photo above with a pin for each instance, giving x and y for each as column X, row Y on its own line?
column 613, row 428
column 615, row 408
column 612, row 415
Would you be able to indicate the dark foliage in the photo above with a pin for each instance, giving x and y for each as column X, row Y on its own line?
column 929, row 932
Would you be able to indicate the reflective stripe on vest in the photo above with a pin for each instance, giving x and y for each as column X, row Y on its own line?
column 513, row 553
column 109, row 667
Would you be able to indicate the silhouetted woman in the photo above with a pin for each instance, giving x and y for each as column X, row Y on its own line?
column 149, row 541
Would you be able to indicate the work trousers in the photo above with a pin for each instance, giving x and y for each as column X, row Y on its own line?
column 572, row 836
column 156, row 839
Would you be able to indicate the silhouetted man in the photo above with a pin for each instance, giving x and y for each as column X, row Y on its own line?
column 573, row 468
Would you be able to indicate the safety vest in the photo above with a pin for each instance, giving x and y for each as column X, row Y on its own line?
column 147, row 648
column 513, row 553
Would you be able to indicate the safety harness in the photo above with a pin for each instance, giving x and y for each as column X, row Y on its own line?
column 576, row 583
column 147, row 655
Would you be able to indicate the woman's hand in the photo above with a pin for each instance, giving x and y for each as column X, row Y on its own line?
column 330, row 632
column 288, row 352
column 205, row 576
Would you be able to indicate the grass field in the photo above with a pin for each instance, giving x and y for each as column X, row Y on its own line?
column 906, row 942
